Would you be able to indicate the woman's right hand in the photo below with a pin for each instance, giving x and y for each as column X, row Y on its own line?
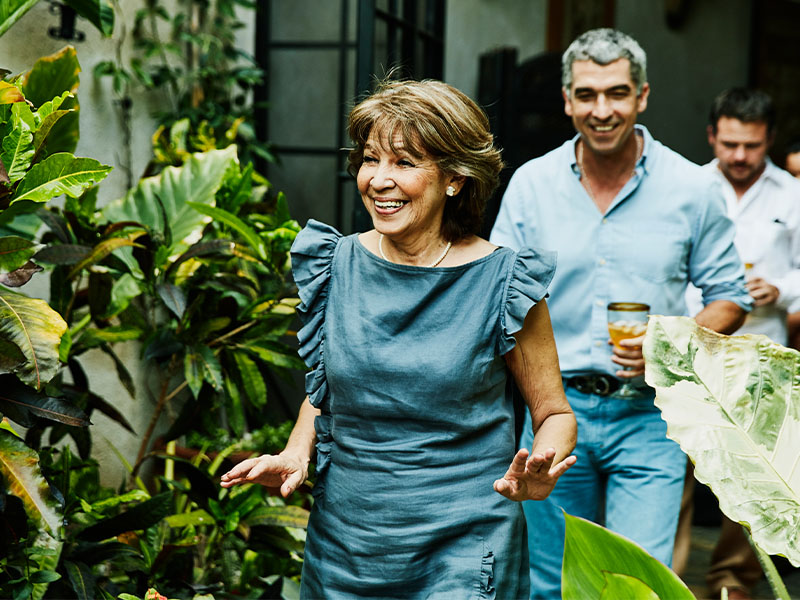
column 282, row 473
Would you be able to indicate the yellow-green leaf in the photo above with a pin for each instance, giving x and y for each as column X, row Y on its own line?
column 9, row 93
column 19, row 465
column 58, row 174
column 36, row 329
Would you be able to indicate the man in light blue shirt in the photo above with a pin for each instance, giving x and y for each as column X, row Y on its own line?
column 632, row 221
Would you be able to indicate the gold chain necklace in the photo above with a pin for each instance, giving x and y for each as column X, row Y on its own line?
column 430, row 266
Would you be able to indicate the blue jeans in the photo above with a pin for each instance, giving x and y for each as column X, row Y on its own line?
column 629, row 478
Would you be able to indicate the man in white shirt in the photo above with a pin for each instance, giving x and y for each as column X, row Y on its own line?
column 764, row 203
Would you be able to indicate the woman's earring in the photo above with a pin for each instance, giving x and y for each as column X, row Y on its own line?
column 450, row 191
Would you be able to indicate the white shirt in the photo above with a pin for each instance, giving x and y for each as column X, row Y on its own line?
column 767, row 219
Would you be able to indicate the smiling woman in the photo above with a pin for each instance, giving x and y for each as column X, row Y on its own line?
column 411, row 330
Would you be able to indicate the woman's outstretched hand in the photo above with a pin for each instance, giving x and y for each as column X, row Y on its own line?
column 278, row 473
column 532, row 479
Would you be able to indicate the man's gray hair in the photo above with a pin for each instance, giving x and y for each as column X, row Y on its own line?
column 604, row 46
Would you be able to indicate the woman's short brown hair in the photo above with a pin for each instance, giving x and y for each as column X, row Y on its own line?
column 434, row 119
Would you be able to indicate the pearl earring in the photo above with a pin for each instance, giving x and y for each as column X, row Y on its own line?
column 450, row 191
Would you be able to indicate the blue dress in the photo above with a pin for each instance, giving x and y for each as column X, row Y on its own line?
column 416, row 422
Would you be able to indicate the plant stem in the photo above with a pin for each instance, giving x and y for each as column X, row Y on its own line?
column 231, row 333
column 773, row 577
column 163, row 399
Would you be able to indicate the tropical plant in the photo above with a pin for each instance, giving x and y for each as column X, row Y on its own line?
column 205, row 80
column 731, row 402
column 35, row 166
column 191, row 264
column 601, row 564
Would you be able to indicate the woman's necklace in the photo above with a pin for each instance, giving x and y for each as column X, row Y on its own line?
column 584, row 176
column 430, row 266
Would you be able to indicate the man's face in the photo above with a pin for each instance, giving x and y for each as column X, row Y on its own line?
column 603, row 104
column 741, row 149
column 793, row 164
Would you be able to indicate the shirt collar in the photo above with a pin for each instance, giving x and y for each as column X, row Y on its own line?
column 639, row 129
column 771, row 171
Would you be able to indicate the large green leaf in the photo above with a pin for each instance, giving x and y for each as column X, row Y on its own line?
column 58, row 174
column 11, row 11
column 733, row 404
column 51, row 76
column 19, row 465
column 36, row 329
column 598, row 561
column 197, row 180
column 99, row 13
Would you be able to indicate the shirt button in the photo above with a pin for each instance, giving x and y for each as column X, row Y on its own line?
column 602, row 261
column 605, row 220
column 598, row 344
column 599, row 303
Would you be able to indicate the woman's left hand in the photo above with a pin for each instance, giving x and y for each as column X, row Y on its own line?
column 532, row 479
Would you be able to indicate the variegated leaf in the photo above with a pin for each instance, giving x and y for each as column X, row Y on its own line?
column 733, row 404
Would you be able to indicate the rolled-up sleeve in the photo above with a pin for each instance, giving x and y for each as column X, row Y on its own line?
column 714, row 264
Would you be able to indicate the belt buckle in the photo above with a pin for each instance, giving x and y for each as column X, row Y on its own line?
column 602, row 385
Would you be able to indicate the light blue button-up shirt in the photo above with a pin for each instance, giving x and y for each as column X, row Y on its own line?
column 666, row 227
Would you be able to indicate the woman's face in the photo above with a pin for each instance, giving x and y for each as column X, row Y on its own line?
column 404, row 194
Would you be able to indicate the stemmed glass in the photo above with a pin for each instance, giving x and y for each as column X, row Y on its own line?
column 626, row 320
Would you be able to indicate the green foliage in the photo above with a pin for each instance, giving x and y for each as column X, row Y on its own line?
column 98, row 12
column 205, row 80
column 601, row 564
column 731, row 403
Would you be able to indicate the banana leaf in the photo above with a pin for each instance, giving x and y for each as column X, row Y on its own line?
column 733, row 404
column 599, row 563
column 36, row 329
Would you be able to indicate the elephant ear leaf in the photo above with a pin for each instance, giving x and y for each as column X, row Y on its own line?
column 170, row 195
column 600, row 564
column 19, row 466
column 36, row 330
column 733, row 404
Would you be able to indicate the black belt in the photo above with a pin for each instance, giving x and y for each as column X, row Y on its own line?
column 599, row 384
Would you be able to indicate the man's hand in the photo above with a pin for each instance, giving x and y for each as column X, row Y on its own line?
column 532, row 479
column 763, row 293
column 630, row 356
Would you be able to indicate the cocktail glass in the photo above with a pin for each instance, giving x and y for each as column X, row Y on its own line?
column 627, row 320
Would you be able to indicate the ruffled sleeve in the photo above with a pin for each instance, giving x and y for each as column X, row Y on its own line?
column 312, row 258
column 526, row 284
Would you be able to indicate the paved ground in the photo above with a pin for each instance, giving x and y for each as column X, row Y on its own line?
column 703, row 541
